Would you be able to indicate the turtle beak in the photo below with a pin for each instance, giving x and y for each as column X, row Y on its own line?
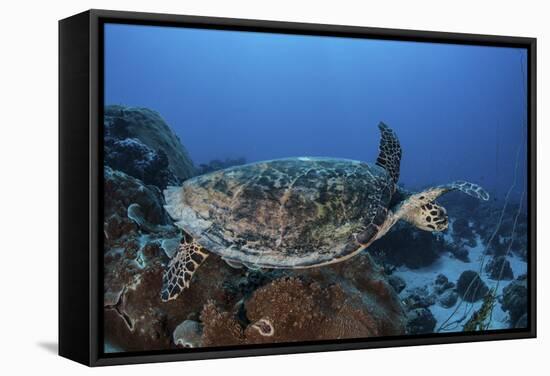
column 443, row 225
column 441, row 220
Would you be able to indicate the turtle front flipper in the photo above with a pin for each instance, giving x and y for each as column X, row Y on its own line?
column 421, row 210
column 181, row 268
column 389, row 154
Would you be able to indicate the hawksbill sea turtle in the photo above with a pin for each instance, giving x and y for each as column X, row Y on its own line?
column 296, row 212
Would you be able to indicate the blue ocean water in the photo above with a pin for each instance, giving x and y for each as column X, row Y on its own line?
column 459, row 111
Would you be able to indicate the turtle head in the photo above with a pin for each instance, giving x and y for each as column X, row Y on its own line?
column 428, row 217
column 421, row 210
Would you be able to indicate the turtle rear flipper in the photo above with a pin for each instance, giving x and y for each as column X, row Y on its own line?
column 181, row 268
column 421, row 210
column 389, row 155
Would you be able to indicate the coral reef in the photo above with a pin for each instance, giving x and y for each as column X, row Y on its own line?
column 133, row 262
column 226, row 306
column 308, row 305
column 297, row 306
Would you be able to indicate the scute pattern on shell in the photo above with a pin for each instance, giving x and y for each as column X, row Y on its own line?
column 295, row 212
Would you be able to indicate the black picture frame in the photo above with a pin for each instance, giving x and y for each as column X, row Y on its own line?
column 81, row 177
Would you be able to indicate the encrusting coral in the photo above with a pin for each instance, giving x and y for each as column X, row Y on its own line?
column 297, row 307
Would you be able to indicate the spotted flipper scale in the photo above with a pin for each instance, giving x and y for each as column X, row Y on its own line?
column 389, row 155
column 181, row 268
column 470, row 189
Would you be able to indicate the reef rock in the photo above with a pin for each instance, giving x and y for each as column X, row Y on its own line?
column 135, row 158
column 499, row 268
column 419, row 298
column 135, row 316
column 420, row 321
column 133, row 263
column 459, row 251
column 121, row 192
column 441, row 279
column 405, row 245
column 442, row 283
column 397, row 283
column 131, row 322
column 448, row 299
column 471, row 287
column 151, row 130
column 514, row 301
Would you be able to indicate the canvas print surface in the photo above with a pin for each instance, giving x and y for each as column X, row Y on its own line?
column 264, row 188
